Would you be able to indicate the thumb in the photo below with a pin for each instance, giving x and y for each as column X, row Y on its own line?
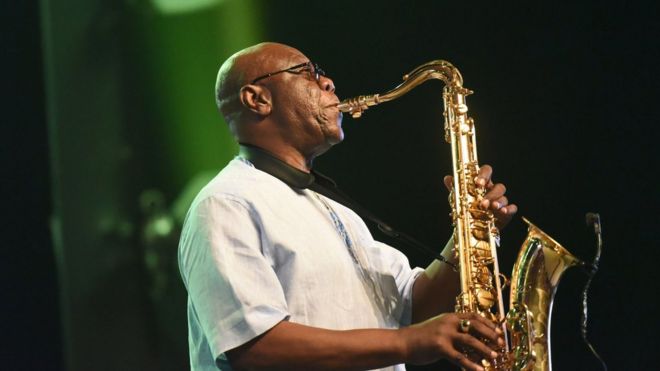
column 449, row 182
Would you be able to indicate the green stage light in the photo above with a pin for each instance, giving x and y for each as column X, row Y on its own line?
column 183, row 6
column 180, row 55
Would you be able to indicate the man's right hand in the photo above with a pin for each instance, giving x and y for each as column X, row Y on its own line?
column 292, row 346
column 441, row 337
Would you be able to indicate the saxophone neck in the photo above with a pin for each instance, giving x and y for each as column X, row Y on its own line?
column 437, row 69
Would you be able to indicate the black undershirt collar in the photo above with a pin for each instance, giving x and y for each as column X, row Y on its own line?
column 294, row 178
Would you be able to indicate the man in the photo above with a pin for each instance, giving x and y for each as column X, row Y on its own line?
column 281, row 277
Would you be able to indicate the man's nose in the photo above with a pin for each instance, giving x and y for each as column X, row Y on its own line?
column 327, row 84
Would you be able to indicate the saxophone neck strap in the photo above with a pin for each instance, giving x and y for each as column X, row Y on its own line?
column 319, row 183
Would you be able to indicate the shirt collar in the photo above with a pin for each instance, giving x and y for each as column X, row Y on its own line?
column 267, row 162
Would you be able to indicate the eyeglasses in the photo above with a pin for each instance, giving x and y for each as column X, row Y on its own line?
column 313, row 69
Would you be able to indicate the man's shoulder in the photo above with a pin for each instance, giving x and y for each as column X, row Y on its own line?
column 239, row 181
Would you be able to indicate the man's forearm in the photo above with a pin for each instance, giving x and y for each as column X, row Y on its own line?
column 436, row 289
column 293, row 346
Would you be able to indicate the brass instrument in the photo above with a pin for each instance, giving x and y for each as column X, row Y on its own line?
column 541, row 260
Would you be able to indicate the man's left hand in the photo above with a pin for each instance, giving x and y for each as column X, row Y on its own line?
column 494, row 199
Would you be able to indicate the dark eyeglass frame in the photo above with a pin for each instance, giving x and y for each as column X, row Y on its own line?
column 297, row 69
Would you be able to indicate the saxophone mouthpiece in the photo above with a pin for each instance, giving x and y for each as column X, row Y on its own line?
column 355, row 106
column 343, row 106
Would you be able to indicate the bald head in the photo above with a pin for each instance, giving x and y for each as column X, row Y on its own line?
column 243, row 67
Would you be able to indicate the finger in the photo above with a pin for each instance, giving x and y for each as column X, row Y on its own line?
column 475, row 357
column 479, row 320
column 487, row 323
column 484, row 175
column 497, row 191
column 499, row 203
column 509, row 209
column 475, row 317
column 484, row 330
column 461, row 360
column 467, row 340
column 449, row 182
column 504, row 215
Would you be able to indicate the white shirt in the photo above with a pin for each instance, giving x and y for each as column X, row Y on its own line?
column 254, row 252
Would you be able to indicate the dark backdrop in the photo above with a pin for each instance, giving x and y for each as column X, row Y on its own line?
column 29, row 311
column 565, row 108
column 566, row 112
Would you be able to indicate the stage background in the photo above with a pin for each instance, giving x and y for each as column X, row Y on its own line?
column 110, row 127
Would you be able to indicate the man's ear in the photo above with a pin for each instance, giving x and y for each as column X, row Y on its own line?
column 257, row 99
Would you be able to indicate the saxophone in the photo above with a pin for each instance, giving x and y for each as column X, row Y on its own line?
column 541, row 260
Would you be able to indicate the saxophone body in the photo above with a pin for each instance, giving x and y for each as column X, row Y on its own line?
column 541, row 260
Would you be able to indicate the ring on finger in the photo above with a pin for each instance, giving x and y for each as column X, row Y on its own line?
column 464, row 325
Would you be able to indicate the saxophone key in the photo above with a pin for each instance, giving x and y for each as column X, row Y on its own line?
column 485, row 299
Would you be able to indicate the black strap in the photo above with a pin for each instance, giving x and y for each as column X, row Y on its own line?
column 328, row 188
column 317, row 182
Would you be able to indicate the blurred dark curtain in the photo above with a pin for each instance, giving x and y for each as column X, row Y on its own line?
column 29, row 310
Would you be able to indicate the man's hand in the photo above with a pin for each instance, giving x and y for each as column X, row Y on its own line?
column 441, row 337
column 292, row 346
column 494, row 200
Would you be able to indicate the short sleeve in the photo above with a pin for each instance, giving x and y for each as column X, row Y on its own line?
column 390, row 262
column 234, row 294
column 404, row 277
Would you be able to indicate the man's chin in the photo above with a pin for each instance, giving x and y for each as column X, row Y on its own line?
column 336, row 137
column 339, row 132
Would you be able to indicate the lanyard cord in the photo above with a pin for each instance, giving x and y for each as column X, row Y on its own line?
column 339, row 226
